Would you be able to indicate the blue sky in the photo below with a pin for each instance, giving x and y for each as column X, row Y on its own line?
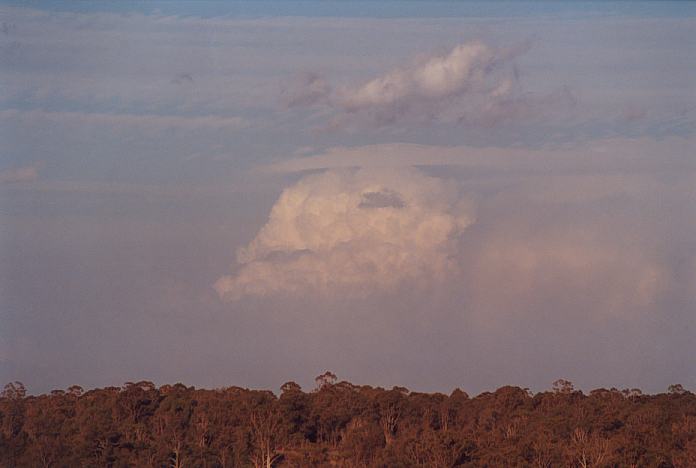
column 367, row 9
column 427, row 194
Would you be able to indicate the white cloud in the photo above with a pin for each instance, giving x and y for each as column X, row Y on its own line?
column 473, row 83
column 464, row 69
column 355, row 232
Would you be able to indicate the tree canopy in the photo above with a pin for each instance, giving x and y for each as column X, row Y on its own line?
column 342, row 424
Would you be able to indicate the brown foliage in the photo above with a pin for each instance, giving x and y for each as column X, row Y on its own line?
column 341, row 424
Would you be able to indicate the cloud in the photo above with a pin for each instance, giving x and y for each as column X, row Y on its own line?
column 183, row 78
column 76, row 61
column 354, row 232
column 466, row 68
column 473, row 83
column 586, row 247
column 606, row 155
column 152, row 122
column 578, row 271
column 580, row 228
column 309, row 89
column 19, row 174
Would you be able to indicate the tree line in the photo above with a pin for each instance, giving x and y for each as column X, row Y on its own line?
column 345, row 425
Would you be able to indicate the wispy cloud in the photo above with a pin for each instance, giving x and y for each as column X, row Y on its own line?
column 143, row 121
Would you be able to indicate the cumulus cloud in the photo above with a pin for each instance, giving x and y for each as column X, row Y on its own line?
column 461, row 70
column 354, row 232
column 473, row 83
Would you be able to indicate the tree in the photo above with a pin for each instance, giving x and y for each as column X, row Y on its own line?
column 590, row 450
column 342, row 424
column 631, row 392
column 390, row 410
column 563, row 386
column 684, row 433
column 676, row 389
column 14, row 391
column 327, row 378
column 266, row 436
column 75, row 390
column 542, row 455
column 289, row 387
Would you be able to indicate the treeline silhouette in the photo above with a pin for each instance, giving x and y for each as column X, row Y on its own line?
column 345, row 425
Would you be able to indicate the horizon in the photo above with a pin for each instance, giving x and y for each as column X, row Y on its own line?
column 555, row 387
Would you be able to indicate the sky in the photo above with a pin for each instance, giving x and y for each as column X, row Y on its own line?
column 424, row 194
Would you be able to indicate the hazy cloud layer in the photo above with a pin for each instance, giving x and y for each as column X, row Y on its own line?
column 580, row 270
column 354, row 232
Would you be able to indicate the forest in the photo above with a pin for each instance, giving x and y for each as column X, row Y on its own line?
column 345, row 425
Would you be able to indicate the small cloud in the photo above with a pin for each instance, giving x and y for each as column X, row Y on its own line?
column 20, row 174
column 8, row 28
column 633, row 113
column 183, row 78
column 307, row 90
column 304, row 151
